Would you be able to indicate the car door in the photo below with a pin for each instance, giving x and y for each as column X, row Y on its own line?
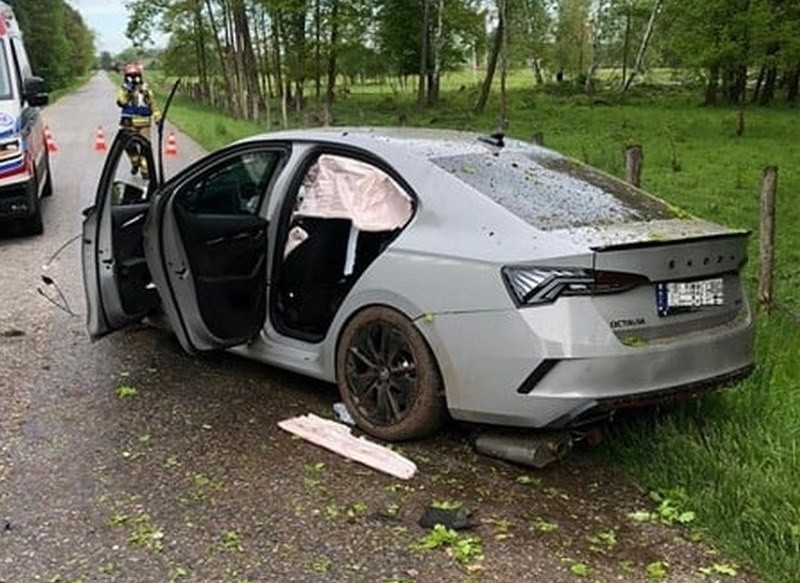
column 117, row 282
column 206, row 244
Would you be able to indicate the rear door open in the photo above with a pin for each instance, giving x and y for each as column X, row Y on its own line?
column 207, row 247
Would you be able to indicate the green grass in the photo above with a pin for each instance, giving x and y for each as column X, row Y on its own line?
column 736, row 454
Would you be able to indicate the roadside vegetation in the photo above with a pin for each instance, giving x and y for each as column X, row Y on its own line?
column 708, row 89
column 61, row 46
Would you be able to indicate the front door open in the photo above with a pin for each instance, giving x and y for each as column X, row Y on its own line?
column 117, row 282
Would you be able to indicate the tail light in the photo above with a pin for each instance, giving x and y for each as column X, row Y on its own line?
column 530, row 286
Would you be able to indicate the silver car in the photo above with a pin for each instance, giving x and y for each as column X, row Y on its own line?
column 426, row 273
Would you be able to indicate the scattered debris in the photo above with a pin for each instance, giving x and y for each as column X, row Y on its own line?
column 531, row 449
column 340, row 409
column 12, row 333
column 337, row 438
column 456, row 517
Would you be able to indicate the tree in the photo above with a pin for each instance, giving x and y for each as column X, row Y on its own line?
column 528, row 31
column 638, row 66
column 599, row 10
column 572, row 37
column 498, row 43
column 81, row 42
column 60, row 46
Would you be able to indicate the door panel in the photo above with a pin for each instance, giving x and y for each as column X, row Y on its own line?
column 133, row 276
column 227, row 256
column 211, row 247
column 117, row 282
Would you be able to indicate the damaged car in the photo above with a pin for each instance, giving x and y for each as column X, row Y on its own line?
column 426, row 273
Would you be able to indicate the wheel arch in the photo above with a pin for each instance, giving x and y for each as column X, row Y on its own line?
column 424, row 409
column 419, row 319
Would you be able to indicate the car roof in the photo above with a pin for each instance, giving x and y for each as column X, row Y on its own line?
column 423, row 143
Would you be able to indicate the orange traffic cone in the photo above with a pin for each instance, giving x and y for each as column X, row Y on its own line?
column 49, row 141
column 100, row 140
column 171, row 149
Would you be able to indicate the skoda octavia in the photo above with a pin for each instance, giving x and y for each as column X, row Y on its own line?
column 426, row 273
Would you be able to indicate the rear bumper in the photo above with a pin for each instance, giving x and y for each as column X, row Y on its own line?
column 604, row 408
column 500, row 368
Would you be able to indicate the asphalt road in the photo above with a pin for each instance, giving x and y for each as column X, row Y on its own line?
column 125, row 460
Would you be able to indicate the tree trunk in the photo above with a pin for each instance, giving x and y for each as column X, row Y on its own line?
column 200, row 49
column 334, row 40
column 232, row 57
column 433, row 86
column 299, row 41
column 595, row 48
column 768, row 91
column 246, row 60
column 712, row 87
column 638, row 66
column 769, row 186
column 423, row 52
column 762, row 73
column 317, row 53
column 491, row 67
column 793, row 85
column 262, row 57
column 276, row 52
column 221, row 53
column 626, row 46
column 502, row 6
column 532, row 57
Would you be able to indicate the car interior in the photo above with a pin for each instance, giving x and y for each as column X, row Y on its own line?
column 346, row 212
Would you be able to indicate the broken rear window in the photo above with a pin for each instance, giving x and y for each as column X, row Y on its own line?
column 553, row 192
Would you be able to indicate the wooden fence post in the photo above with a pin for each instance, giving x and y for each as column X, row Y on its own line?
column 769, row 185
column 634, row 157
column 538, row 138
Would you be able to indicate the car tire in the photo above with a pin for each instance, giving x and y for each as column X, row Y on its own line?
column 388, row 377
column 35, row 225
column 48, row 185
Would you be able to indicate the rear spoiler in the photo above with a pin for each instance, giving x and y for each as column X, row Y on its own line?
column 742, row 233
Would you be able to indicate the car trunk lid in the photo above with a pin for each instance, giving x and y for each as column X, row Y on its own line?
column 690, row 274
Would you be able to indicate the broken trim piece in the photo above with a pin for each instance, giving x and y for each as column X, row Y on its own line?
column 337, row 438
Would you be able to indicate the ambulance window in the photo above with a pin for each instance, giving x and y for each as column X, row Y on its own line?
column 5, row 78
column 22, row 58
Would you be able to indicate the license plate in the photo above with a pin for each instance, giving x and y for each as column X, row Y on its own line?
column 683, row 296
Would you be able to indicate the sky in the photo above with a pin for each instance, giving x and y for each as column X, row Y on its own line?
column 108, row 19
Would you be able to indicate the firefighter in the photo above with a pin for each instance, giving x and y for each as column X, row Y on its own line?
column 139, row 109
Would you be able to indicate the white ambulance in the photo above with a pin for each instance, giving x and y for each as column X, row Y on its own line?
column 24, row 163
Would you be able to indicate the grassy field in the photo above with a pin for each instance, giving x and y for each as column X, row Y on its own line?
column 734, row 457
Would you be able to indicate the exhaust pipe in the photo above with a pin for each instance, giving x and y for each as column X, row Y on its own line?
column 538, row 450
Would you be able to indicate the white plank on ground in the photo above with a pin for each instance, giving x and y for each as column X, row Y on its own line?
column 337, row 438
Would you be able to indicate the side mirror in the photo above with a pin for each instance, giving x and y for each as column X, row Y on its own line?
column 35, row 91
